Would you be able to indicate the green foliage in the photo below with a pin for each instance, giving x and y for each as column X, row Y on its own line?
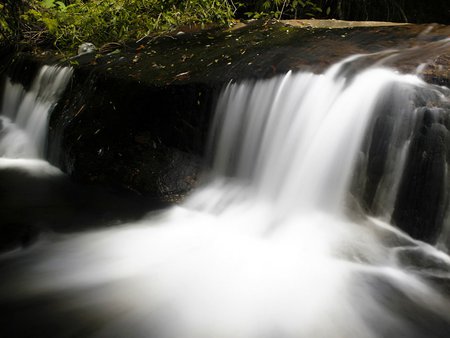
column 66, row 24
column 9, row 19
column 4, row 26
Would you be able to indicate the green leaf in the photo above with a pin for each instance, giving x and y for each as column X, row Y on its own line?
column 48, row 3
column 52, row 24
column 61, row 5
column 34, row 13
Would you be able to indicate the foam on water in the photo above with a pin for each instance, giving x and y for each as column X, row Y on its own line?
column 270, row 246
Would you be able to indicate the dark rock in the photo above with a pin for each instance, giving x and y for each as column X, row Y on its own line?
column 13, row 235
column 36, row 198
column 403, row 310
column 421, row 260
column 421, row 200
column 377, row 154
column 426, row 264
column 131, row 136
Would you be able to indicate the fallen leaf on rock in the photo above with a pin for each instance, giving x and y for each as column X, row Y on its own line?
column 182, row 76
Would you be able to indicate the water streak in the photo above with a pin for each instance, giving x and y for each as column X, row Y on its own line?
column 272, row 245
column 24, row 115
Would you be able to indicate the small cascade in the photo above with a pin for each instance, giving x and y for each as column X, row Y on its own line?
column 24, row 113
column 290, row 234
column 306, row 142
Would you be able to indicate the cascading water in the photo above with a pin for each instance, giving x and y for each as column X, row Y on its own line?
column 24, row 114
column 296, row 138
column 275, row 243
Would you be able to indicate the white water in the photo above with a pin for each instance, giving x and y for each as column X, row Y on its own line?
column 297, row 143
column 24, row 113
column 271, row 245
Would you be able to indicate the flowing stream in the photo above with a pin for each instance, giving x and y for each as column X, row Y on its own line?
column 281, row 240
column 24, row 113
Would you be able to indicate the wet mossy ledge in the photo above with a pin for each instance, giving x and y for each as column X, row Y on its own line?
column 136, row 116
column 263, row 49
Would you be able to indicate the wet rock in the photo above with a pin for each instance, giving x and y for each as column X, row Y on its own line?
column 37, row 198
column 428, row 263
column 417, row 258
column 131, row 136
column 420, row 204
column 263, row 49
column 415, row 315
column 14, row 235
column 129, row 114
column 377, row 156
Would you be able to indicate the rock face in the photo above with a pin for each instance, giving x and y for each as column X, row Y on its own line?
column 422, row 200
column 423, row 195
column 263, row 49
column 137, row 118
column 124, row 134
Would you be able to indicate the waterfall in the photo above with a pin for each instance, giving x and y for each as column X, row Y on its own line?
column 289, row 235
column 24, row 113
column 296, row 139
column 305, row 143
